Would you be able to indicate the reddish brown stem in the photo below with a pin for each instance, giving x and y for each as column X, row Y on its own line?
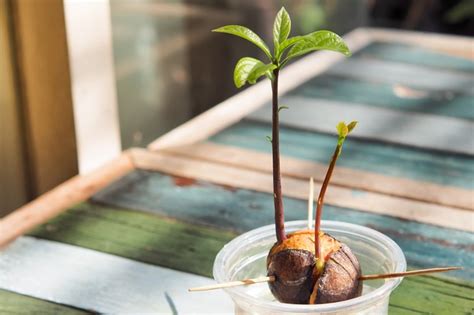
column 277, row 195
column 319, row 207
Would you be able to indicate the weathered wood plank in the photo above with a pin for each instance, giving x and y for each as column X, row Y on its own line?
column 442, row 296
column 103, row 283
column 50, row 204
column 14, row 303
column 240, row 210
column 138, row 236
column 460, row 46
column 380, row 124
column 402, row 73
column 398, row 96
column 415, row 55
column 338, row 196
column 78, row 230
column 397, row 161
column 346, row 177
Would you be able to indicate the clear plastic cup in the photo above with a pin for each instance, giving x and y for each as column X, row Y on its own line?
column 245, row 256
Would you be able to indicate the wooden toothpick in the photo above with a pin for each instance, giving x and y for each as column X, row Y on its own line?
column 310, row 203
column 362, row 278
column 233, row 284
column 408, row 273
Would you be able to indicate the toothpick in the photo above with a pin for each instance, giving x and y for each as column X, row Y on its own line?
column 310, row 203
column 408, row 273
column 233, row 284
column 362, row 278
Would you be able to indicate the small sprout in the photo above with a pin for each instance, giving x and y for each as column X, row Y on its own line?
column 282, row 107
column 269, row 139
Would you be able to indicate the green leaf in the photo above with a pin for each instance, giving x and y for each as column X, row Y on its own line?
column 259, row 70
column 320, row 40
column 249, row 69
column 269, row 139
column 282, row 107
column 286, row 44
column 342, row 129
column 245, row 33
column 351, row 126
column 281, row 28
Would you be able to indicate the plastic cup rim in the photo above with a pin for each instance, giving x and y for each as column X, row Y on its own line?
column 263, row 231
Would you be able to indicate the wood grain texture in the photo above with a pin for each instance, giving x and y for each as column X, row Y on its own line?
column 14, row 189
column 14, row 303
column 414, row 54
column 239, row 210
column 45, row 93
column 418, row 130
column 414, row 293
column 460, row 46
column 345, row 177
column 297, row 188
column 60, row 198
column 139, row 236
column 401, row 73
column 391, row 160
column 399, row 96
column 103, row 283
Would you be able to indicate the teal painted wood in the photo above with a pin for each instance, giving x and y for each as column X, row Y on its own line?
column 417, row 76
column 445, row 103
column 425, row 131
column 240, row 210
column 415, row 55
column 392, row 160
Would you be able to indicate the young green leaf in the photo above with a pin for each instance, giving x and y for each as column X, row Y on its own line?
column 269, row 139
column 244, row 68
column 260, row 70
column 342, row 129
column 282, row 107
column 249, row 69
column 320, row 40
column 287, row 44
column 281, row 28
column 245, row 33
column 351, row 125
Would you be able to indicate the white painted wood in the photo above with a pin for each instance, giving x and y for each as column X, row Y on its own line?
column 89, row 35
column 237, row 107
column 102, row 282
column 413, row 129
column 461, row 46
column 399, row 73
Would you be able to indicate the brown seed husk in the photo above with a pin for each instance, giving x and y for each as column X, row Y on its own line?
column 292, row 269
column 292, row 263
column 339, row 280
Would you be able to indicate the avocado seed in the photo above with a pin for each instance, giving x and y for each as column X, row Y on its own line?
column 299, row 281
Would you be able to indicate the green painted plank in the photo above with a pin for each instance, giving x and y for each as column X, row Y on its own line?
column 433, row 296
column 14, row 303
column 415, row 55
column 241, row 210
column 378, row 94
column 392, row 160
column 139, row 236
column 117, row 227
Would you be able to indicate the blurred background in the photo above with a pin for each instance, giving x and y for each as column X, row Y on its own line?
column 165, row 68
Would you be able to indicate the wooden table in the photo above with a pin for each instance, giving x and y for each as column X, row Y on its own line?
column 147, row 226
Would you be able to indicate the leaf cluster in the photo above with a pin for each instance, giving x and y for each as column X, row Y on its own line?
column 249, row 70
column 343, row 130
